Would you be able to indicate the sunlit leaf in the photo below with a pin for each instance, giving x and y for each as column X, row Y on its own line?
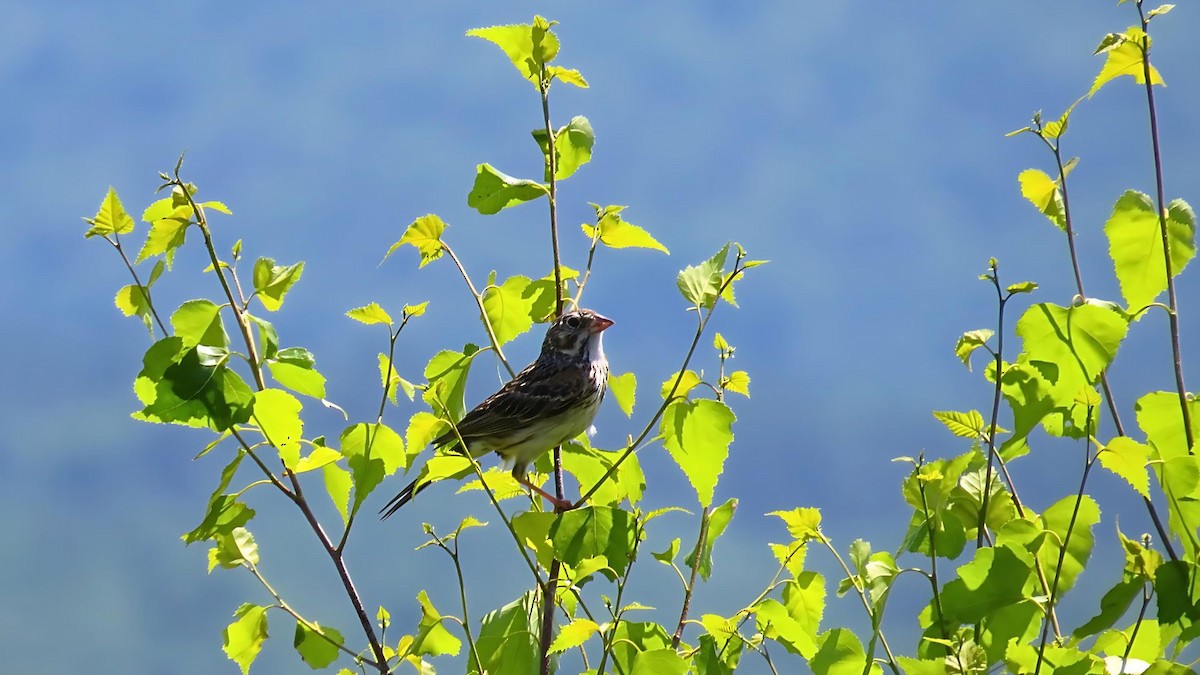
column 528, row 46
column 111, row 218
column 1124, row 56
column 433, row 638
column 508, row 308
column 1043, row 192
column 624, row 391
column 317, row 644
column 425, row 235
column 370, row 314
column 277, row 414
column 700, row 284
column 495, row 190
column 718, row 520
column 615, row 232
column 272, row 282
column 574, row 634
column 969, row 342
column 697, row 434
column 1127, row 458
column 245, row 636
column 1136, row 246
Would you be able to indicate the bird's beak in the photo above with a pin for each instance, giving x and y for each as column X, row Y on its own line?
column 599, row 323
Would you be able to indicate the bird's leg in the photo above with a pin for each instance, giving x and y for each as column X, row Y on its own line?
column 559, row 504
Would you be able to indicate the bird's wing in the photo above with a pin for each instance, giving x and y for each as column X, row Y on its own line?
column 541, row 391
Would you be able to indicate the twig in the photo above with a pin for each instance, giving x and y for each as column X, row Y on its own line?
column 487, row 323
column 690, row 587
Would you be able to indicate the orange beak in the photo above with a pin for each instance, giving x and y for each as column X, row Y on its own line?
column 599, row 323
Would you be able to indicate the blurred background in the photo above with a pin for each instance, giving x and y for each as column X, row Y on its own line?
column 858, row 146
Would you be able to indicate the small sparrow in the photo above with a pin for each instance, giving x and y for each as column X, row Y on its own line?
column 550, row 402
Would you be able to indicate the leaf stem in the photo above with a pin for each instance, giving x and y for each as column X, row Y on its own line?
column 116, row 243
column 991, row 439
column 462, row 596
column 862, row 595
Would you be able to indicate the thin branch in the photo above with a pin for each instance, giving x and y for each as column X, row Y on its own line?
column 116, row 243
column 487, row 323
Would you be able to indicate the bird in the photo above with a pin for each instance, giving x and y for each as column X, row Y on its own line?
column 551, row 401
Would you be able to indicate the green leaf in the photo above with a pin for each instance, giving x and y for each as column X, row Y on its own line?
column 295, row 375
column 911, row 666
column 1112, row 607
column 432, row 638
column 804, row 598
column 425, row 235
column 529, row 47
column 591, row 531
column 111, row 218
column 1136, row 246
column 267, row 336
column 177, row 388
column 232, row 549
column 509, row 310
column 969, row 342
column 507, row 643
column 589, row 465
column 701, row 283
column 198, row 322
column 689, row 381
column 572, row 147
column 615, row 232
column 624, row 390
column 272, row 282
column 245, row 636
column 1127, row 459
column 277, row 414
column 314, row 644
column 1124, row 57
column 1021, row 287
column 337, row 485
column 224, row 514
column 774, row 622
column 1028, row 393
column 698, row 435
column 840, row 653
column 423, row 427
column 996, row 578
column 738, row 382
column 667, row 557
column 372, row 452
column 133, row 299
column 718, row 520
column 659, row 662
column 1160, row 417
column 495, row 190
column 167, row 234
column 392, row 381
column 631, row 638
column 1042, row 191
column 568, row 75
column 1080, row 341
column 447, row 376
column 318, row 458
column 574, row 634
column 217, row 206
column 370, row 314
column 803, row 523
column 1056, row 519
column 964, row 425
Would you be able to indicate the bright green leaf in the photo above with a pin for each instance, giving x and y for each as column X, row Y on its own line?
column 508, row 308
column 839, row 652
column 1080, row 341
column 574, row 634
column 529, row 47
column 697, row 434
column 964, row 425
column 590, row 531
column 272, row 282
column 1042, row 191
column 317, row 645
column 718, row 520
column 433, row 638
column 1136, row 246
column 659, row 662
column 738, row 382
column 700, row 284
column 277, row 414
column 111, row 218
column 425, row 235
column 1112, row 607
column 198, row 322
column 689, row 381
column 615, row 232
column 166, row 235
column 370, row 314
column 1124, row 57
column 969, row 342
column 624, row 390
column 803, row 523
column 447, row 376
column 245, row 636
column 1127, row 459
column 507, row 642
column 495, row 190
column 177, row 388
column 774, row 622
column 338, row 484
column 572, row 145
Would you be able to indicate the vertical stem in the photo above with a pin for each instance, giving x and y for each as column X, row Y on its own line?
column 1173, row 317
column 991, row 440
column 550, row 589
column 701, row 541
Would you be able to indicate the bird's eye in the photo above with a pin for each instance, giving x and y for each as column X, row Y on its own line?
column 573, row 322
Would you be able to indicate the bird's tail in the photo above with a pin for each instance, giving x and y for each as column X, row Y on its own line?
column 405, row 496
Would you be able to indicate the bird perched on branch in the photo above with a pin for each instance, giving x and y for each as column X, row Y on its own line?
column 550, row 402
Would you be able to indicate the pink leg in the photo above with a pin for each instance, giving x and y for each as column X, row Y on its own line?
column 559, row 504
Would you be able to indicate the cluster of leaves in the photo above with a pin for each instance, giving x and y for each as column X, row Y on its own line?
column 998, row 610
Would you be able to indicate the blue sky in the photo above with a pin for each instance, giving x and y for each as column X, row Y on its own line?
column 858, row 146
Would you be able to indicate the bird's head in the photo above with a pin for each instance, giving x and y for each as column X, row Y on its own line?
column 574, row 331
